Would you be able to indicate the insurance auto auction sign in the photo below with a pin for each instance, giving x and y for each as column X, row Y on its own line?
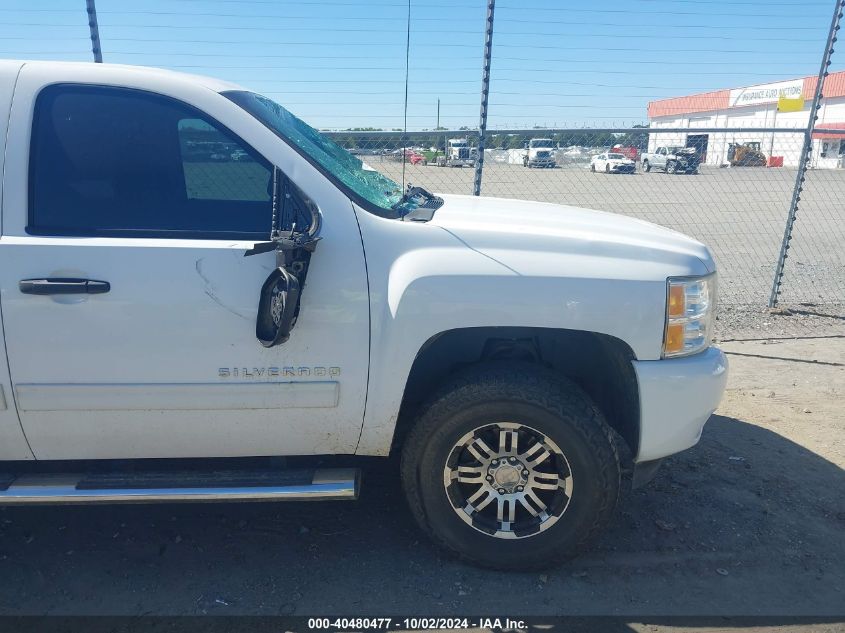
column 766, row 93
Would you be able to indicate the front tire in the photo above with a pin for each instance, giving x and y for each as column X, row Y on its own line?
column 511, row 466
column 671, row 167
column 646, row 166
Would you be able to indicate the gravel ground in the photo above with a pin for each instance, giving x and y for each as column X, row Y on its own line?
column 746, row 322
column 748, row 522
column 740, row 213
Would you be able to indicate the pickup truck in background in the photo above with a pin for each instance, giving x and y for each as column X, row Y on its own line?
column 169, row 319
column 672, row 160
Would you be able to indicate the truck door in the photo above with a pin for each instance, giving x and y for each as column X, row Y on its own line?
column 13, row 444
column 129, row 307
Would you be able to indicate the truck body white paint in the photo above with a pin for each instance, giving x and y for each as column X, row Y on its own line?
column 378, row 289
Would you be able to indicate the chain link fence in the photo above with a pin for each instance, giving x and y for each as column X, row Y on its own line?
column 579, row 96
column 813, row 285
column 716, row 185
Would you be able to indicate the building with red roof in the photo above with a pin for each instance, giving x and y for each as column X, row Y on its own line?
column 745, row 114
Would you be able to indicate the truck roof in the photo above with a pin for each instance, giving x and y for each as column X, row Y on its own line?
column 138, row 71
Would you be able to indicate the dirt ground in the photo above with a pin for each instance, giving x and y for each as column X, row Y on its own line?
column 749, row 522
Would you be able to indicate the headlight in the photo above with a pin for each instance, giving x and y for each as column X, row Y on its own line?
column 690, row 312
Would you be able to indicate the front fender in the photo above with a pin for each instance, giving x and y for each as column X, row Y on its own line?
column 424, row 280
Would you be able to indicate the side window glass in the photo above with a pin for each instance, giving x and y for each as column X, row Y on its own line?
column 218, row 168
column 115, row 161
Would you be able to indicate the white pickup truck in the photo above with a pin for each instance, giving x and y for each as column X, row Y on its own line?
column 166, row 311
column 672, row 160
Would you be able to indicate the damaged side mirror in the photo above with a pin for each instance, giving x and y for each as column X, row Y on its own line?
column 293, row 236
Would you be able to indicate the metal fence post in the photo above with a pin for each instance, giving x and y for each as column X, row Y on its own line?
column 805, row 152
column 95, row 32
column 485, row 92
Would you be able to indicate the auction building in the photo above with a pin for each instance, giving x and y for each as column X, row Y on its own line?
column 756, row 107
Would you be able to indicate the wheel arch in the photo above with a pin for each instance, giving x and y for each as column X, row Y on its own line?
column 599, row 363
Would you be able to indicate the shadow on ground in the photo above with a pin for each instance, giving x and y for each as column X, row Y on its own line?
column 745, row 523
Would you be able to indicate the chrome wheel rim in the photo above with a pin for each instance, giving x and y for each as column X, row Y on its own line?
column 508, row 480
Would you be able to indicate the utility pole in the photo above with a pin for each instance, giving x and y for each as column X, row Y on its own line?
column 95, row 32
column 437, row 129
column 485, row 92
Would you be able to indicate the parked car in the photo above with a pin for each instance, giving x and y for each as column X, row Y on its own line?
column 305, row 305
column 612, row 163
column 627, row 151
column 411, row 156
column 414, row 158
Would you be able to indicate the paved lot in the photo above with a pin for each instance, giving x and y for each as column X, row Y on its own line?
column 740, row 213
column 748, row 522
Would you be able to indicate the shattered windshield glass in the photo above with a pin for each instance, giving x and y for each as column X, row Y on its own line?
column 351, row 172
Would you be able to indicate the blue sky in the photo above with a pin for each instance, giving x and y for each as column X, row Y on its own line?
column 341, row 63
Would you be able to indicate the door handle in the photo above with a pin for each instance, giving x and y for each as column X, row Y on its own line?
column 63, row 286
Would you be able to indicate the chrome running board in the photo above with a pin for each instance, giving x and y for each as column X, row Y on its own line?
column 146, row 487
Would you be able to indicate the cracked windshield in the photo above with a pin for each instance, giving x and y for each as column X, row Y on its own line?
column 362, row 179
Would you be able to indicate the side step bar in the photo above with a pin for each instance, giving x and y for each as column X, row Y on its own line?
column 185, row 486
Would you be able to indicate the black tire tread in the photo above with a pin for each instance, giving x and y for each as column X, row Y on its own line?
column 531, row 384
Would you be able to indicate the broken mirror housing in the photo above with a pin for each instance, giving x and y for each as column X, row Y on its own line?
column 278, row 304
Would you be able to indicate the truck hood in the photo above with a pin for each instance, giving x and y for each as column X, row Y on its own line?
column 513, row 232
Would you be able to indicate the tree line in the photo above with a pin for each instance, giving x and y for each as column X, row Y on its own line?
column 350, row 140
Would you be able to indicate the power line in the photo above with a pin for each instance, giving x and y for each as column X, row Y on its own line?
column 628, row 72
column 454, row 32
column 320, row 4
column 195, row 27
column 660, row 26
column 450, row 66
column 435, row 93
column 358, row 81
column 348, row 4
column 346, row 70
column 766, row 3
column 665, row 12
column 791, row 53
column 407, row 73
column 423, row 18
